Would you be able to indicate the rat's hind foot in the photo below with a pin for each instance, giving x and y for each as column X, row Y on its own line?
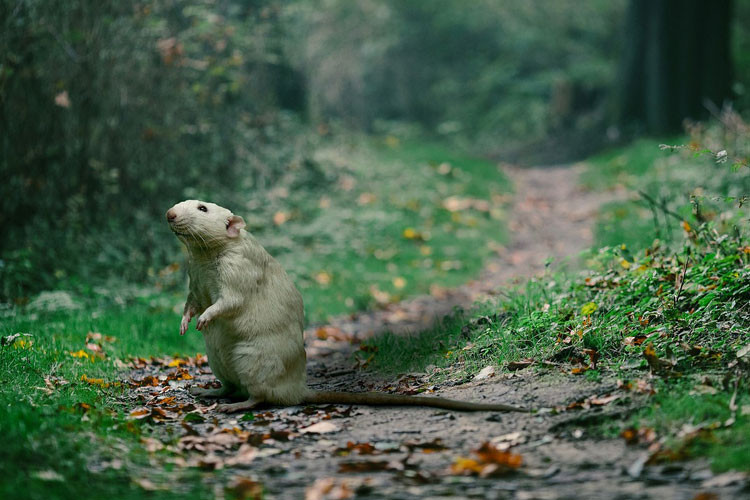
column 209, row 393
column 234, row 407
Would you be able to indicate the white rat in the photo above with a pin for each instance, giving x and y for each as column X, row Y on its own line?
column 252, row 318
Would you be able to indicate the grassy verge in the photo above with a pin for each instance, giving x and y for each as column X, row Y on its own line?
column 664, row 310
column 62, row 416
column 370, row 227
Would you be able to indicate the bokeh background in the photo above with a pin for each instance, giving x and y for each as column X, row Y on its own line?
column 296, row 113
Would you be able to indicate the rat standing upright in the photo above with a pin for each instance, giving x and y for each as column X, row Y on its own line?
column 252, row 318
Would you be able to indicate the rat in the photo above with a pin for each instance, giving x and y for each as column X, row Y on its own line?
column 252, row 319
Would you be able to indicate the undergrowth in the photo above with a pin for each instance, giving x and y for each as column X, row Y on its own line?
column 665, row 307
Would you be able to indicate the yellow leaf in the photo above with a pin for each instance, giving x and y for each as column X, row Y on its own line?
column 176, row 362
column 323, row 278
column 624, row 263
column 80, row 354
column 392, row 141
column 466, row 465
column 685, row 226
column 411, row 234
column 94, row 381
column 589, row 308
column 22, row 344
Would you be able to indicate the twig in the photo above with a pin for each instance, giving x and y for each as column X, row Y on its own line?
column 682, row 281
column 661, row 205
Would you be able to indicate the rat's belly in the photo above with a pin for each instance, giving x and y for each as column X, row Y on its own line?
column 219, row 352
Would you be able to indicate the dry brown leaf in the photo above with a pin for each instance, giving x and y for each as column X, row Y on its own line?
column 330, row 489
column 333, row 333
column 359, row 448
column 244, row 456
column 491, row 462
column 368, row 466
column 520, row 364
column 654, row 362
column 243, row 488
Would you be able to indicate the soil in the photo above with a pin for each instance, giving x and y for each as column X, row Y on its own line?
column 408, row 452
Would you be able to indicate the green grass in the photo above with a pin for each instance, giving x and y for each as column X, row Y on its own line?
column 674, row 180
column 54, row 432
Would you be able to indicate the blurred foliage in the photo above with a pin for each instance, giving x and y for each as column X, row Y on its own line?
column 700, row 177
column 112, row 111
column 500, row 73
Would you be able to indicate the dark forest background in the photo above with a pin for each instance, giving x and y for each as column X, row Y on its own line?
column 112, row 111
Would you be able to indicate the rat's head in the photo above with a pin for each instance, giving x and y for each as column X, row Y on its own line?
column 202, row 225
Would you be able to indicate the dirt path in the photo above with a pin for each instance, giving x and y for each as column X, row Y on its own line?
column 407, row 452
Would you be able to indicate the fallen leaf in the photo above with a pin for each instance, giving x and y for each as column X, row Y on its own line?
column 323, row 278
column 366, row 466
column 399, row 282
column 636, row 340
column 244, row 456
column 333, row 333
column 427, row 446
column 10, row 339
column 96, row 381
column 725, row 479
column 140, row 413
column 604, row 400
column 520, row 364
column 654, row 362
column 593, row 355
column 589, row 308
column 329, row 488
column 151, row 445
column 491, row 462
column 323, row 427
column 485, row 373
column 412, row 234
column 243, row 488
column 359, row 448
column 507, row 441
column 147, row 484
column 463, row 466
column 280, row 218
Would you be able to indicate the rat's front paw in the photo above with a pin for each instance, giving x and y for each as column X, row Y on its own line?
column 184, row 324
column 203, row 320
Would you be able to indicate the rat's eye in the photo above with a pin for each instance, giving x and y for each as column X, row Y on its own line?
column 202, row 208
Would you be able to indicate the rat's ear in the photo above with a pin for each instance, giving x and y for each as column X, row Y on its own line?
column 234, row 224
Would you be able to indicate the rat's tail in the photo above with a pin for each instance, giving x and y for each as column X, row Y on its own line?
column 380, row 399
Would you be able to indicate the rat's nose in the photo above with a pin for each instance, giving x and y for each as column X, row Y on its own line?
column 171, row 215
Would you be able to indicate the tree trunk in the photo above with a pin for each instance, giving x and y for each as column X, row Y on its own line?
column 675, row 60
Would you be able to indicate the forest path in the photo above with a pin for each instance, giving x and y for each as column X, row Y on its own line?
column 396, row 452
column 551, row 217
